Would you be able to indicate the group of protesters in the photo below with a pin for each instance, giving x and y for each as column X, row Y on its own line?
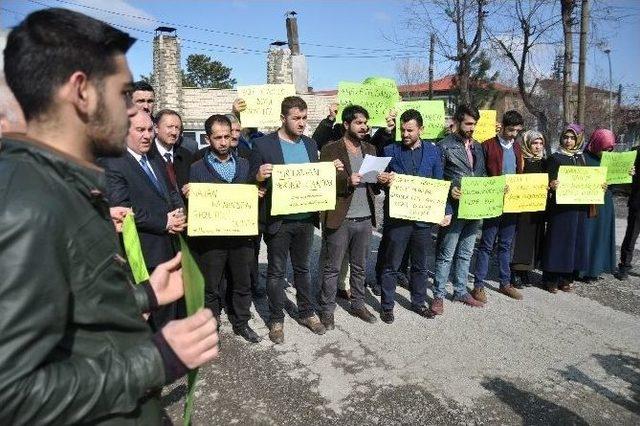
column 81, row 343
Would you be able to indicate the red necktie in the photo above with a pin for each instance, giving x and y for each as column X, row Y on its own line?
column 171, row 171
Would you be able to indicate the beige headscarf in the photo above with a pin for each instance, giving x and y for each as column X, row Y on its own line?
column 527, row 138
column 577, row 130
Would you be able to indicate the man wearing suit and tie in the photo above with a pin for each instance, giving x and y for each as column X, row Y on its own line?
column 136, row 181
column 288, row 234
column 417, row 158
column 177, row 159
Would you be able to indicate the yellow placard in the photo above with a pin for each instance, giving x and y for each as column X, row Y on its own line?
column 581, row 185
column 263, row 104
column 486, row 125
column 222, row 209
column 527, row 193
column 302, row 188
column 418, row 198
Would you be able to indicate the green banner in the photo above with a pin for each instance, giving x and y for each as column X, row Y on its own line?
column 432, row 117
column 194, row 299
column 618, row 165
column 377, row 95
column 482, row 197
column 133, row 249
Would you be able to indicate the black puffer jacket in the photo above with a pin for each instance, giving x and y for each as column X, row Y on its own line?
column 73, row 344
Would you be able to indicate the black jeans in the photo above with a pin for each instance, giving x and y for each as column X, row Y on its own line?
column 294, row 238
column 630, row 238
column 352, row 239
column 230, row 258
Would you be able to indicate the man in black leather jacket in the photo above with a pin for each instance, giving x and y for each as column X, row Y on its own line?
column 74, row 347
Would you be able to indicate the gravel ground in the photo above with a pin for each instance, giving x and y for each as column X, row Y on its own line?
column 569, row 358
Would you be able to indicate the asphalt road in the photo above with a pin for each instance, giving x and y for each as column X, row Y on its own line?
column 569, row 358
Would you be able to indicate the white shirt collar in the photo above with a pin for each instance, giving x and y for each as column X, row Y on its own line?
column 162, row 150
column 135, row 154
column 506, row 144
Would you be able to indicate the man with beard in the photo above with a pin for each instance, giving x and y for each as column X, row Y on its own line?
column 347, row 228
column 75, row 348
column 177, row 160
column 225, row 257
column 463, row 156
column 141, row 183
column 417, row 158
column 290, row 234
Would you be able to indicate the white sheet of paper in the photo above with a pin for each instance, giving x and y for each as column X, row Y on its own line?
column 371, row 166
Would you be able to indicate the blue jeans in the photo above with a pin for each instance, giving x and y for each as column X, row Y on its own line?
column 457, row 239
column 397, row 238
column 503, row 228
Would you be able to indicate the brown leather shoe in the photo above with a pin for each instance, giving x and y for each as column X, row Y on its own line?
column 551, row 287
column 344, row 294
column 479, row 294
column 511, row 292
column 313, row 323
column 437, row 306
column 276, row 332
column 364, row 314
column 567, row 288
column 328, row 321
column 469, row 301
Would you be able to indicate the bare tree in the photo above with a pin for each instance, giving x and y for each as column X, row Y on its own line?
column 567, row 7
column 411, row 71
column 518, row 40
column 459, row 20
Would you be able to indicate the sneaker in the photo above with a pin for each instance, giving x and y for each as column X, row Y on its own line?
column 387, row 316
column 364, row 314
column 511, row 291
column 437, row 306
column 479, row 294
column 469, row 301
column 276, row 332
column 328, row 321
column 423, row 311
column 313, row 323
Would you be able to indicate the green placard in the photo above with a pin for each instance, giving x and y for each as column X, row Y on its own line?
column 618, row 166
column 377, row 95
column 194, row 299
column 133, row 249
column 432, row 117
column 482, row 197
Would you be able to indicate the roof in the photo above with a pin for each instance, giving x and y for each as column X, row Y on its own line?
column 444, row 84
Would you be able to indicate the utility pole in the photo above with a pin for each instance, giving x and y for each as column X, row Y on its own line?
column 608, row 52
column 432, row 43
column 567, row 7
column 582, row 64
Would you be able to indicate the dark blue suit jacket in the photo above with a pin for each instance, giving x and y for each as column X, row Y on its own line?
column 129, row 186
column 431, row 166
column 267, row 150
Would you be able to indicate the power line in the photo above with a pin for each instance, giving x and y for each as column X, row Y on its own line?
column 228, row 33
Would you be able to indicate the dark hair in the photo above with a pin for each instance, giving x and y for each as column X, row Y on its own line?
column 164, row 112
column 215, row 118
column 141, row 86
column 291, row 102
column 512, row 118
column 411, row 114
column 49, row 45
column 465, row 109
column 349, row 113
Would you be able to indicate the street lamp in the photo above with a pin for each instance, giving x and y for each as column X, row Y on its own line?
column 608, row 52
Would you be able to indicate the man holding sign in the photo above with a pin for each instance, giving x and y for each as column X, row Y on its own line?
column 347, row 229
column 502, row 156
column 417, row 158
column 463, row 156
column 287, row 234
column 220, row 254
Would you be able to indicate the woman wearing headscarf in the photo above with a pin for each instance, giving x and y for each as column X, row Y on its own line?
column 601, row 229
column 527, row 246
column 566, row 241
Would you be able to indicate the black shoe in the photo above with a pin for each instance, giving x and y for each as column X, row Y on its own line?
column 516, row 280
column 328, row 321
column 376, row 290
column 623, row 272
column 247, row 333
column 364, row 315
column 423, row 311
column 402, row 280
column 387, row 316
